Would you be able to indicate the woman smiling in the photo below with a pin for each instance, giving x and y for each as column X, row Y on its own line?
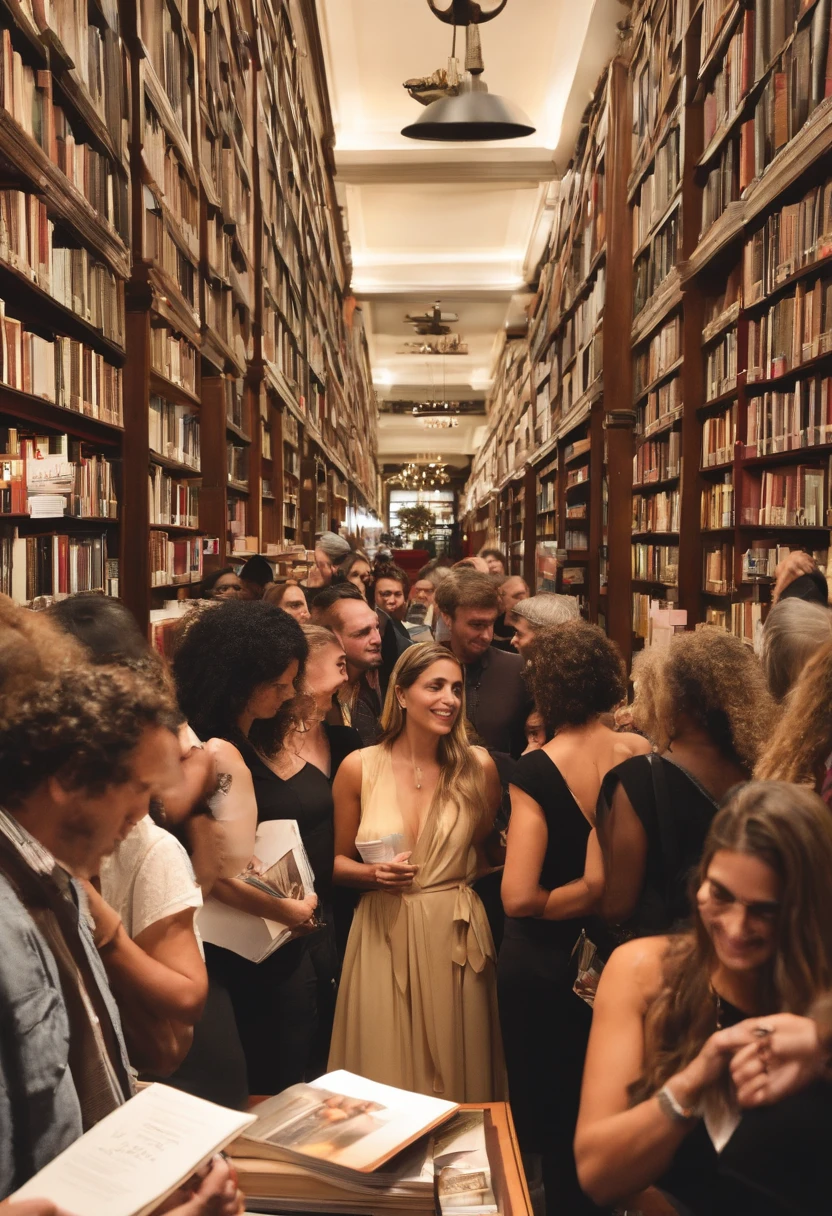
column 656, row 1105
column 417, row 1006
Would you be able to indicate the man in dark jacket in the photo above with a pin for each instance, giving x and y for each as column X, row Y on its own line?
column 496, row 696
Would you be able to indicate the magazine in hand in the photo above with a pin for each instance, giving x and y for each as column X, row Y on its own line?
column 341, row 1123
column 138, row 1155
column 281, row 869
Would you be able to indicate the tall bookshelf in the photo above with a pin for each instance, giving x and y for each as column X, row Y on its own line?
column 567, row 456
column 177, row 326
column 725, row 368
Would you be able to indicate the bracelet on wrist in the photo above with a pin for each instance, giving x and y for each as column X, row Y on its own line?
column 670, row 1106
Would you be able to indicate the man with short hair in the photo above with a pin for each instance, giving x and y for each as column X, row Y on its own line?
column 390, row 588
column 255, row 577
column 359, row 630
column 497, row 699
column 538, row 612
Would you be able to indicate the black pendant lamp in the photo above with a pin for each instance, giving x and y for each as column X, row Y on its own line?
column 470, row 114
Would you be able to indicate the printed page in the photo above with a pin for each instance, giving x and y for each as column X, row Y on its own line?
column 130, row 1161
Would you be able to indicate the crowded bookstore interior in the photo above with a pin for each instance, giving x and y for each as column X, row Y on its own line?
column 415, row 623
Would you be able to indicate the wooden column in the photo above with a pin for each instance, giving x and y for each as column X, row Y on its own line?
column 134, row 561
column 619, row 414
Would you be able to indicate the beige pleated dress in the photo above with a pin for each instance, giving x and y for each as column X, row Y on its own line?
column 417, row 1005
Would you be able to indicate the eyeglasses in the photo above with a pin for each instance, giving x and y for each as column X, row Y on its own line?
column 764, row 911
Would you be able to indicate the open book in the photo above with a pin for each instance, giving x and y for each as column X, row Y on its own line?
column 280, row 868
column 341, row 1123
column 134, row 1158
column 462, row 1167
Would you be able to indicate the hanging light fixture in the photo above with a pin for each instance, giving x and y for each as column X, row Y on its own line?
column 469, row 113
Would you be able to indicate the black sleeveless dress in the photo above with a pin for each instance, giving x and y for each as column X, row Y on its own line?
column 545, row 1025
column 777, row 1162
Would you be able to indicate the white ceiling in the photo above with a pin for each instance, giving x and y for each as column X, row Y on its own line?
column 462, row 223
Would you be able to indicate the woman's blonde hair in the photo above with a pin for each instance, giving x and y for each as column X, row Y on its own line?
column 802, row 740
column 790, row 829
column 713, row 678
column 461, row 777
column 318, row 637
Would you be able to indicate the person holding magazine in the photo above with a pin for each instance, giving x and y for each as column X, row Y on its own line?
column 417, row 1006
column 235, row 667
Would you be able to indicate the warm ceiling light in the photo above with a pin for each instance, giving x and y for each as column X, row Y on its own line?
column 469, row 114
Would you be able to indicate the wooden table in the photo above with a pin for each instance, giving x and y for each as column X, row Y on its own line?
column 507, row 1176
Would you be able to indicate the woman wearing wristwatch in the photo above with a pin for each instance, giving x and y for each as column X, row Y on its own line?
column 658, row 1107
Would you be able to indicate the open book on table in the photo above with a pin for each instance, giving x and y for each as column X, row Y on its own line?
column 138, row 1155
column 341, row 1124
column 280, row 868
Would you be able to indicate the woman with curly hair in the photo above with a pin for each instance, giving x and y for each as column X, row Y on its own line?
column 801, row 743
column 657, row 1107
column 235, row 667
column 704, row 703
column 551, row 885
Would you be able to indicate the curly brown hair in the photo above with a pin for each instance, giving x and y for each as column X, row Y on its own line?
column 802, row 740
column 61, row 716
column 575, row 673
column 713, row 678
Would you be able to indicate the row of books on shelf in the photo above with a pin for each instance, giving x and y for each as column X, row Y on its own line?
column 657, row 187
column 655, row 563
column 173, row 357
column 171, row 55
column 73, row 277
column 795, row 329
column 575, row 540
column 719, row 436
column 799, row 83
column 170, row 179
column 657, row 512
column 788, row 420
column 91, row 45
column 721, row 366
column 160, row 247
column 658, row 356
column 174, row 560
column 743, row 618
column 718, row 569
column 172, row 503
column 174, row 431
column 656, row 262
column 658, row 459
column 718, row 504
column 49, row 476
column 660, row 408
column 655, row 72
column 26, row 94
column 54, row 566
column 64, row 372
column 785, row 498
column 791, row 239
column 236, row 516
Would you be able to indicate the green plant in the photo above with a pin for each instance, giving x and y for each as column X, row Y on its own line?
column 416, row 521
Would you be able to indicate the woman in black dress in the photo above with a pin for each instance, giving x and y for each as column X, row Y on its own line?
column 551, row 886
column 703, row 702
column 656, row 1108
column 297, row 784
column 235, row 667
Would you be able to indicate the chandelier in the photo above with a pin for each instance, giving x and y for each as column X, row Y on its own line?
column 419, row 477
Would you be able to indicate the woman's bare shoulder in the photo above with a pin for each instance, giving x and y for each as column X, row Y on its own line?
column 628, row 743
column 225, row 753
column 638, row 966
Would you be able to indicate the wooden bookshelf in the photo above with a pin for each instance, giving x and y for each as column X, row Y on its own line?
column 728, row 281
column 187, row 312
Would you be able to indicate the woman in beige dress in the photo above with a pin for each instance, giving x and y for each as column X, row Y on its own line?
column 417, row 1006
